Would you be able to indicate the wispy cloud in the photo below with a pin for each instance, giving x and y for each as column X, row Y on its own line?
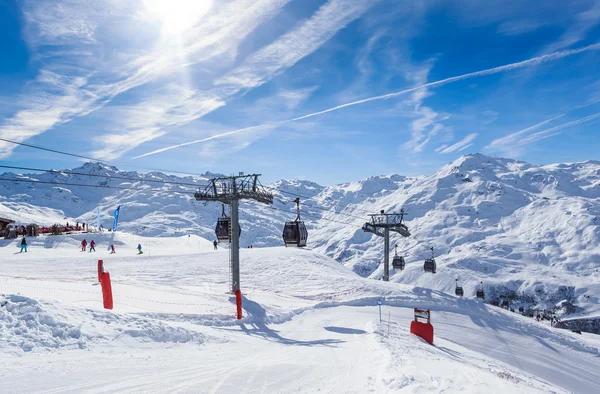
column 535, row 61
column 519, row 26
column 67, row 37
column 581, row 26
column 282, row 101
column 292, row 98
column 40, row 111
column 426, row 125
column 280, row 55
column 507, row 143
column 461, row 145
column 510, row 142
column 295, row 45
column 153, row 118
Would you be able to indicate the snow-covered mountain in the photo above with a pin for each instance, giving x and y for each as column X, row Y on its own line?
column 531, row 233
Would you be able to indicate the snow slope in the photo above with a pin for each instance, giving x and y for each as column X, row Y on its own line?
column 531, row 233
column 310, row 325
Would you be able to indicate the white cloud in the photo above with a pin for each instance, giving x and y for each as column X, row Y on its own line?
column 524, row 137
column 153, row 118
column 419, row 89
column 584, row 22
column 535, row 61
column 508, row 142
column 85, row 52
column 280, row 55
column 41, row 111
column 519, row 26
column 295, row 45
column 461, row 145
column 292, row 98
column 426, row 125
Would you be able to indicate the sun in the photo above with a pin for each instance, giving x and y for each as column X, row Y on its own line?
column 177, row 16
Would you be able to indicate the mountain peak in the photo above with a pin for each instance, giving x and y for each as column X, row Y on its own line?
column 95, row 167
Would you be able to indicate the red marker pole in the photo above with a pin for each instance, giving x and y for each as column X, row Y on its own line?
column 238, row 303
column 100, row 269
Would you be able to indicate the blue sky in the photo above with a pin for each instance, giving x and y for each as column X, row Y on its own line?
column 330, row 91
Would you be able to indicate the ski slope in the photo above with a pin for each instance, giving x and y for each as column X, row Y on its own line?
column 530, row 232
column 310, row 325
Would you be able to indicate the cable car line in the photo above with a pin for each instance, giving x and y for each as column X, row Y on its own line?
column 67, row 172
column 98, row 186
column 93, row 158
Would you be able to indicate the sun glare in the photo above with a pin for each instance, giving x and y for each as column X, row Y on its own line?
column 176, row 16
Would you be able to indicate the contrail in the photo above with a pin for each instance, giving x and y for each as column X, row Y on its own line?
column 207, row 139
column 495, row 70
column 512, row 137
column 555, row 130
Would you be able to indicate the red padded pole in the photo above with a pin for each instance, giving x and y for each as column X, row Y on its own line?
column 238, row 303
column 107, row 297
column 100, row 269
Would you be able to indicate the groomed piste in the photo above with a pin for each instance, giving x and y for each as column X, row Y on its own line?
column 309, row 325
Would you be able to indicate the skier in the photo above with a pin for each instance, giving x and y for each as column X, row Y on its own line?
column 83, row 245
column 215, row 244
column 23, row 245
column 92, row 246
column 112, row 249
column 139, row 248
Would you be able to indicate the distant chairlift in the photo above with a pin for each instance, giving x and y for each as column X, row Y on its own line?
column 458, row 290
column 430, row 265
column 295, row 233
column 223, row 228
column 398, row 262
column 480, row 292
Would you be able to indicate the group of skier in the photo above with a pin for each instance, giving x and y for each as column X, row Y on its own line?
column 92, row 246
column 84, row 245
column 112, row 247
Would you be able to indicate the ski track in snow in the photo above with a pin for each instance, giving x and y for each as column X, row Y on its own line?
column 310, row 325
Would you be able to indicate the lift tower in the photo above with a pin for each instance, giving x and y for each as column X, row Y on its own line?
column 381, row 224
column 230, row 190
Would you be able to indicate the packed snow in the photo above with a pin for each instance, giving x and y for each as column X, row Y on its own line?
column 310, row 325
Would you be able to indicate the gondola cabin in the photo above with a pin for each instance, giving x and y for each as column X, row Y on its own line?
column 430, row 266
column 223, row 228
column 398, row 263
column 480, row 294
column 458, row 290
column 295, row 233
